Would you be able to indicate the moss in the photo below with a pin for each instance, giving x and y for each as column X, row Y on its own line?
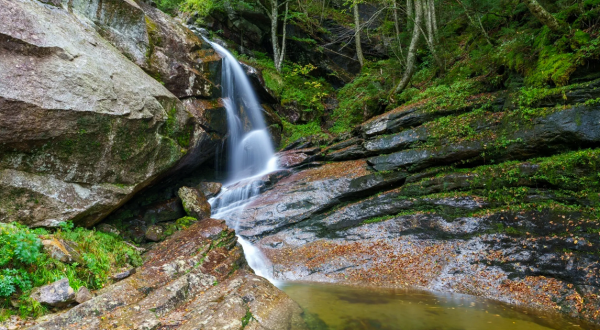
column 185, row 222
column 552, row 66
column 293, row 132
column 246, row 319
column 102, row 254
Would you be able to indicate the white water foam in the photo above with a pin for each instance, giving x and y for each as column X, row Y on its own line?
column 250, row 154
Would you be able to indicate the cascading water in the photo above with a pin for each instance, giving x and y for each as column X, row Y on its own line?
column 250, row 153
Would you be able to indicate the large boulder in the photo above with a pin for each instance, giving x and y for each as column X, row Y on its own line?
column 82, row 128
column 164, row 48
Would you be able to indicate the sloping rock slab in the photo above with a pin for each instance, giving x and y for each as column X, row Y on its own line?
column 301, row 195
column 575, row 127
column 468, row 255
column 197, row 279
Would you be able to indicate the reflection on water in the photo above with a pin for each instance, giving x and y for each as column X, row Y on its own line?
column 336, row 307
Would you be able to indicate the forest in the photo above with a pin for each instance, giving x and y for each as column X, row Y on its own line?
column 417, row 51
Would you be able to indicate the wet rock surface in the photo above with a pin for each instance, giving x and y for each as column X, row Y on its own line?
column 508, row 214
column 185, row 283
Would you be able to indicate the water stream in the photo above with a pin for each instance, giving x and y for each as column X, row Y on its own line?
column 336, row 307
column 250, row 153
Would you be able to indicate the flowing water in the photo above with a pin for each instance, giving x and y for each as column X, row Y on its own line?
column 335, row 307
column 338, row 307
column 250, row 152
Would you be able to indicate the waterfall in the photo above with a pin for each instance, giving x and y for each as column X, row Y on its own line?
column 250, row 153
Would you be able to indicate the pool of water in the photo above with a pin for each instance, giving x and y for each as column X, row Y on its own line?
column 336, row 307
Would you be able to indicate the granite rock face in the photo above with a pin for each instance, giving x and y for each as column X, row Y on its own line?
column 82, row 128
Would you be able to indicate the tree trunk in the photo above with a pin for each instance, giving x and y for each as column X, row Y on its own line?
column 412, row 50
column 397, row 27
column 485, row 34
column 434, row 19
column 359, row 52
column 410, row 16
column 283, row 43
column 428, row 20
column 543, row 15
column 274, row 40
column 430, row 38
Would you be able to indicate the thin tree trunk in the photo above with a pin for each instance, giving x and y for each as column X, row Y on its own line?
column 485, row 34
column 274, row 39
column 428, row 20
column 434, row 19
column 397, row 26
column 283, row 43
column 359, row 52
column 428, row 34
column 543, row 15
column 278, row 53
column 409, row 14
column 412, row 50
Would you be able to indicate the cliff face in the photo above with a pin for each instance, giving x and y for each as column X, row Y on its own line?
column 82, row 127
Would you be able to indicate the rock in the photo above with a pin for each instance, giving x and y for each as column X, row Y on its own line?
column 168, row 210
column 137, row 248
column 299, row 196
column 194, row 202
column 413, row 115
column 210, row 189
column 296, row 157
column 83, row 295
column 62, row 251
column 396, row 142
column 107, row 229
column 155, row 233
column 419, row 159
column 96, row 128
column 355, row 151
column 57, row 294
column 186, row 281
column 211, row 113
column 264, row 94
column 123, row 275
column 165, row 49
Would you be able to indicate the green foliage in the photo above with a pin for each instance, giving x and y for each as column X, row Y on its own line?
column 202, row 7
column 11, row 279
column 365, row 95
column 185, row 222
column 246, row 319
column 18, row 246
column 292, row 132
column 294, row 85
column 25, row 265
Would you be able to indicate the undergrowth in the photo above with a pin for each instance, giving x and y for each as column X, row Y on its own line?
column 25, row 265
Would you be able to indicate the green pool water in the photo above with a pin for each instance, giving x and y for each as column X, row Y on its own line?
column 337, row 307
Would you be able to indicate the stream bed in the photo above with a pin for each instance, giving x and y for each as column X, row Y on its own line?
column 339, row 307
